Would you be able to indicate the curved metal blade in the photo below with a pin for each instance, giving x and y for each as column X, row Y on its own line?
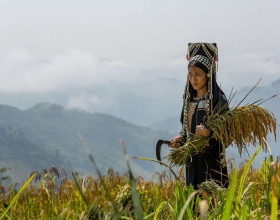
column 158, row 148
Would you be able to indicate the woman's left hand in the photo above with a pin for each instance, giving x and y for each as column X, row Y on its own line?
column 201, row 130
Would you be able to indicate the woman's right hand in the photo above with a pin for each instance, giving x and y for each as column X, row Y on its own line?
column 177, row 141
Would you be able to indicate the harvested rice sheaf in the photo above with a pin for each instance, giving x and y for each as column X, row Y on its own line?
column 210, row 187
column 240, row 126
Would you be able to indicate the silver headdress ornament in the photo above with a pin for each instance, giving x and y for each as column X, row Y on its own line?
column 206, row 54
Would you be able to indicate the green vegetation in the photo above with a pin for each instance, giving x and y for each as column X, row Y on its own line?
column 46, row 135
column 252, row 194
column 19, row 152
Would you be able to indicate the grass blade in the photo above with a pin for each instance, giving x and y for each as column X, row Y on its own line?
column 274, row 202
column 108, row 195
column 134, row 194
column 159, row 208
column 248, row 93
column 192, row 195
column 268, row 99
column 228, row 206
column 245, row 172
column 164, row 164
column 148, row 216
column 15, row 199
column 80, row 190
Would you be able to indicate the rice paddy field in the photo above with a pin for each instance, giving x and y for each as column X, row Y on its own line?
column 252, row 194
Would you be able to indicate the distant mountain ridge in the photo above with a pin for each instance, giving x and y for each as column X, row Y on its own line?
column 24, row 156
column 171, row 125
column 50, row 132
column 53, row 129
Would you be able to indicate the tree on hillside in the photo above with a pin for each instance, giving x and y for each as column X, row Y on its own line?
column 2, row 177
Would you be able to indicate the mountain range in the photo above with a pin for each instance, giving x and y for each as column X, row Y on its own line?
column 47, row 134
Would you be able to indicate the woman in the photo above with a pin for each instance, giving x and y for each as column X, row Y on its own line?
column 201, row 98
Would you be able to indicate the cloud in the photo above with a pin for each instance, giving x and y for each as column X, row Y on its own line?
column 178, row 62
column 23, row 73
column 16, row 57
column 140, row 92
column 90, row 102
column 245, row 69
column 73, row 69
column 253, row 56
column 83, row 101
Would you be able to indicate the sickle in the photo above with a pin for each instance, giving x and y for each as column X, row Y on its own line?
column 158, row 148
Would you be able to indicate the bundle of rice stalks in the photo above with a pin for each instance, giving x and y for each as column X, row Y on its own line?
column 241, row 126
column 183, row 155
column 210, row 187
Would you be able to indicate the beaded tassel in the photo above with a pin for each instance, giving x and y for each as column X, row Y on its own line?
column 186, row 108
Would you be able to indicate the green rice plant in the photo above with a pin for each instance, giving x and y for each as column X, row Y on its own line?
column 80, row 190
column 107, row 191
column 159, row 209
column 160, row 162
column 134, row 194
column 274, row 200
column 184, row 204
column 244, row 175
column 170, row 200
column 252, row 194
column 15, row 199
column 186, row 208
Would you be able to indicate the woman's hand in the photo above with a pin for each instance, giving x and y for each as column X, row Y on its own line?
column 177, row 141
column 201, row 130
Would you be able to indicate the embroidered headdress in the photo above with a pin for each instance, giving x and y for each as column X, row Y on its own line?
column 203, row 60
column 207, row 50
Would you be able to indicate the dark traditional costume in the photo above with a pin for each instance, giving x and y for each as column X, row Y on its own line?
column 211, row 163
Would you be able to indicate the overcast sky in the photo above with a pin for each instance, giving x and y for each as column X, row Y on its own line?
column 127, row 58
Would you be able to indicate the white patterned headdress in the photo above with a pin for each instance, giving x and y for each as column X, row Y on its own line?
column 208, row 50
column 203, row 60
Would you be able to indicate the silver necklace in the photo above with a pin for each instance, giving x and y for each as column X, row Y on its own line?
column 200, row 98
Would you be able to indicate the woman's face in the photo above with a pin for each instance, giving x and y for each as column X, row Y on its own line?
column 198, row 78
